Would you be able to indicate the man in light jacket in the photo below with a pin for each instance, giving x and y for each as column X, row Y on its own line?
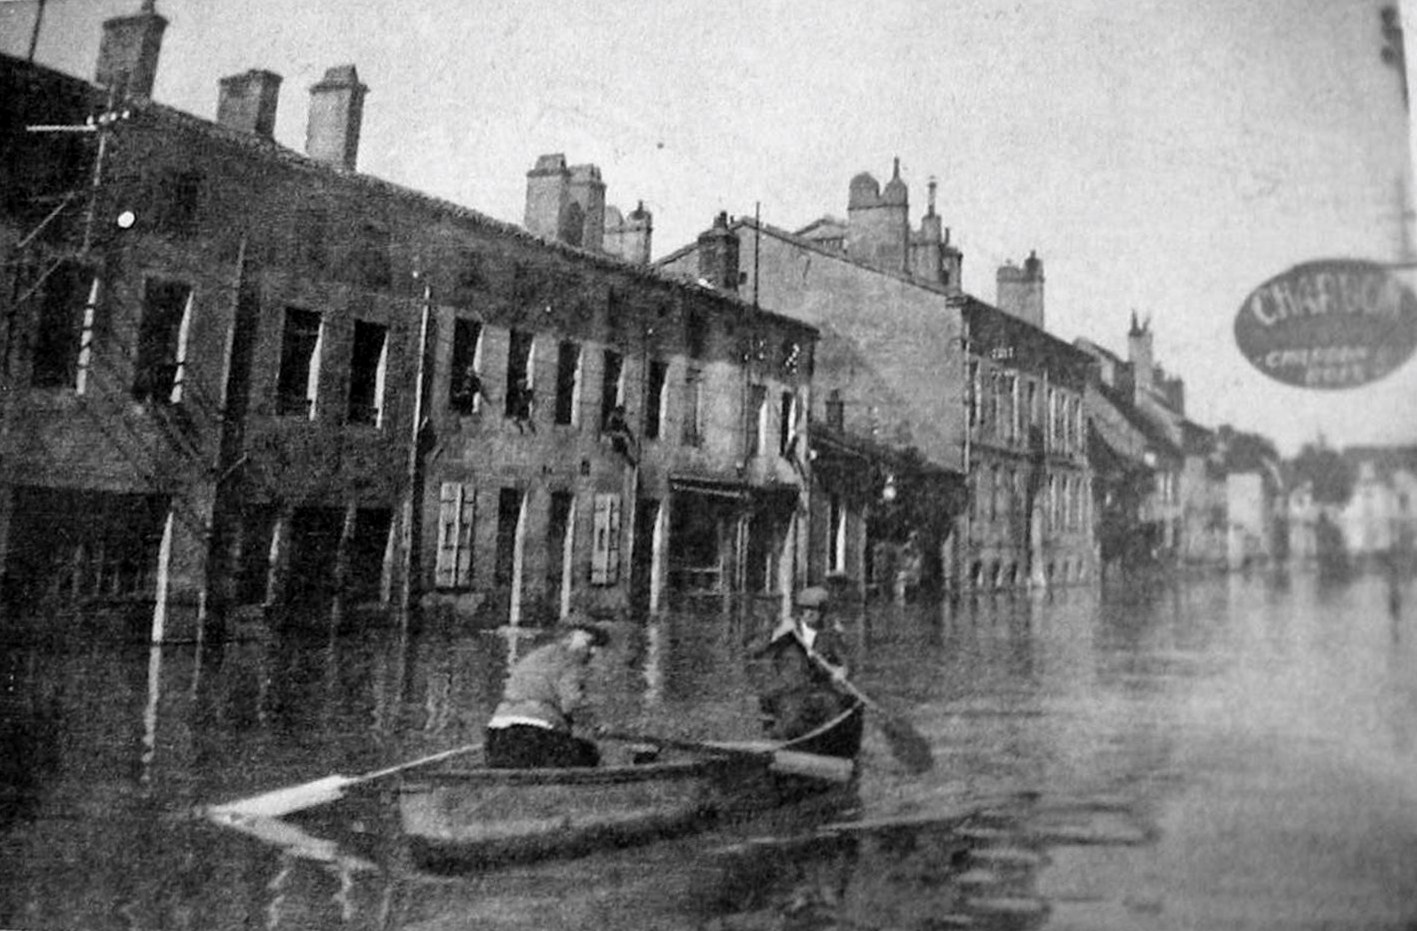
column 532, row 727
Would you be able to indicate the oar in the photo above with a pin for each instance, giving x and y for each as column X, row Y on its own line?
column 787, row 762
column 279, row 802
column 906, row 743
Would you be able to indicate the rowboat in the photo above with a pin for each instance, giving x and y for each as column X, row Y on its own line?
column 477, row 816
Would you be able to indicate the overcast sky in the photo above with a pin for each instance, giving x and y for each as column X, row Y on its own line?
column 1166, row 157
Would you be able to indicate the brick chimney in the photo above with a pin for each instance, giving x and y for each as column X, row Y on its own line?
column 1020, row 291
column 718, row 256
column 248, row 102
column 587, row 192
column 127, row 55
column 336, row 114
column 547, row 194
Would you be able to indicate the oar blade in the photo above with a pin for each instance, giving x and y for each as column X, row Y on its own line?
column 812, row 766
column 907, row 744
column 279, row 802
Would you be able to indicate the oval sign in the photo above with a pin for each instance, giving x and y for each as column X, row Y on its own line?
column 1334, row 323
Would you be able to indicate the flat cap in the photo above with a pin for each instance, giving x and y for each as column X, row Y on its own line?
column 813, row 597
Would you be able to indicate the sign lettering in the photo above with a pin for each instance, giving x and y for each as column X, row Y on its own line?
column 1334, row 323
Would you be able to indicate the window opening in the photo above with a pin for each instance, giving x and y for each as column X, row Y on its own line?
column 367, row 367
column 696, row 333
column 654, row 401
column 158, row 371
column 568, row 381
column 509, row 512
column 693, row 408
column 612, row 386
column 757, row 419
column 836, row 411
column 787, row 412
column 64, row 323
column 465, row 393
column 521, row 396
column 299, row 363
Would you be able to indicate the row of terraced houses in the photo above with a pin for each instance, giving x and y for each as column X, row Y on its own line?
column 237, row 377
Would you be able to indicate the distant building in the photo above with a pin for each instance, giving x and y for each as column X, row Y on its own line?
column 1180, row 516
column 935, row 384
column 240, row 377
column 1381, row 515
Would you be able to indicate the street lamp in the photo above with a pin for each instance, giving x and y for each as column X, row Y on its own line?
column 888, row 491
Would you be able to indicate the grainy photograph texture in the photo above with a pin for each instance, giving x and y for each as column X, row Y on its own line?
column 729, row 466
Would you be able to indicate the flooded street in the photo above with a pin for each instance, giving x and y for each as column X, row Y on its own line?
column 1220, row 753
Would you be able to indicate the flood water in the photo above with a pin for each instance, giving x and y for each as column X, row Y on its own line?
column 1073, row 734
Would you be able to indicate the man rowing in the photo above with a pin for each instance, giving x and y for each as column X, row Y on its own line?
column 800, row 695
column 545, row 690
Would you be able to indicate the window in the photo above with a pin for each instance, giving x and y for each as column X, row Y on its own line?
column 311, row 230
column 696, row 332
column 1031, row 404
column 509, row 518
column 368, row 367
column 368, row 261
column 469, row 277
column 693, row 408
column 612, row 385
column 559, row 542
column 836, row 411
column 971, row 394
column 756, row 421
column 786, row 422
column 299, row 363
column 654, row 398
column 521, row 399
column 1052, row 416
column 465, row 394
column 568, row 382
column 66, row 301
column 176, row 202
column 836, row 527
column 457, row 511
column 161, row 341
column 1011, row 388
column 996, row 491
column 605, row 543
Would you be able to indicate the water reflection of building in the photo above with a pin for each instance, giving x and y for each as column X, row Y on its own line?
column 247, row 376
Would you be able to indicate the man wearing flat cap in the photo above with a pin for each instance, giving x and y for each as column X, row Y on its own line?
column 800, row 695
column 532, row 727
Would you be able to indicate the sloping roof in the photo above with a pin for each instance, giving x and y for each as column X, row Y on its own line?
column 1155, row 436
column 767, row 229
column 1385, row 459
column 257, row 146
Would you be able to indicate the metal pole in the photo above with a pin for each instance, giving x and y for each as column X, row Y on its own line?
column 34, row 36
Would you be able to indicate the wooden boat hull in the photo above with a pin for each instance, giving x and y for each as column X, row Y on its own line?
column 461, row 819
column 493, row 816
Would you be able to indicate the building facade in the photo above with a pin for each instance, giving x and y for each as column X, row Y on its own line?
column 239, row 376
column 902, row 345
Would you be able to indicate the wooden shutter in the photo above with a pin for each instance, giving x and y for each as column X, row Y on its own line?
column 605, row 549
column 457, row 511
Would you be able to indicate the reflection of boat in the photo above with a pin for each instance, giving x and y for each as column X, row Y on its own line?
column 484, row 816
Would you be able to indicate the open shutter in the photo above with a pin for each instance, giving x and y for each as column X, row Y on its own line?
column 605, row 548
